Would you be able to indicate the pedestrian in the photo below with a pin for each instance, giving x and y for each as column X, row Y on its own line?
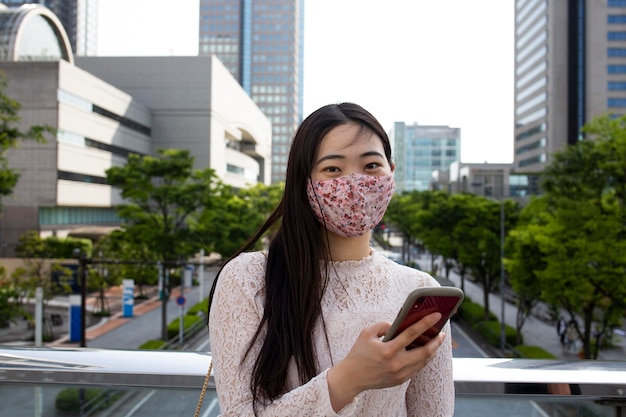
column 297, row 330
column 561, row 329
column 572, row 337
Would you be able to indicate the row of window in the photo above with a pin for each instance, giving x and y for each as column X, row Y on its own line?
column 616, row 102
column 616, row 85
column 616, row 36
column 530, row 132
column 616, row 19
column 273, row 79
column 272, row 47
column 616, row 3
column 541, row 143
column 85, row 105
column 533, row 160
column 49, row 216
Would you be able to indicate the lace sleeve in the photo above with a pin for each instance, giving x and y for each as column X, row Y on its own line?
column 234, row 318
column 431, row 392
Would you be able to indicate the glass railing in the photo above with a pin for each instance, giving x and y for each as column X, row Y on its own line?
column 105, row 382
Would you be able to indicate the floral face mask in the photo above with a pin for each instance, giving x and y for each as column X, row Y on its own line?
column 351, row 205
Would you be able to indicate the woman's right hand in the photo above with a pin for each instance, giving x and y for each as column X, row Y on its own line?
column 372, row 363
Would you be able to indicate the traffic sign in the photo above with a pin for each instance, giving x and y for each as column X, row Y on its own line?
column 181, row 300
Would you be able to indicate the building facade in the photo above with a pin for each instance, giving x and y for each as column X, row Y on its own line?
column 78, row 17
column 138, row 105
column 570, row 65
column 261, row 43
column 420, row 150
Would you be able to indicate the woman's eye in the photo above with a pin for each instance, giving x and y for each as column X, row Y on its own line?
column 372, row 165
column 331, row 169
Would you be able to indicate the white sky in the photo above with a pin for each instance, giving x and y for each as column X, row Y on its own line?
column 434, row 62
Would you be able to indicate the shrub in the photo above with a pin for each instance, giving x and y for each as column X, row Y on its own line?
column 152, row 344
column 173, row 327
column 68, row 400
column 491, row 331
column 533, row 352
column 473, row 312
column 200, row 307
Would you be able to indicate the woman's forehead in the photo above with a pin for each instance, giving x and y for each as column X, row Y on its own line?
column 347, row 135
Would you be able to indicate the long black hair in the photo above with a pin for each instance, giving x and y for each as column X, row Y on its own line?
column 294, row 283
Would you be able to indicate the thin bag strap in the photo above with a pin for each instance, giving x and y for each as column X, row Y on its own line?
column 204, row 387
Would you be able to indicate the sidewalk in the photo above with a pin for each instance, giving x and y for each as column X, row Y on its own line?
column 21, row 333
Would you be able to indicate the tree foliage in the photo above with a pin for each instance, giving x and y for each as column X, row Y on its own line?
column 241, row 213
column 164, row 196
column 583, row 230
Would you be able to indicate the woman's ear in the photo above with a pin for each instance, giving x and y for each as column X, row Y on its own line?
column 393, row 166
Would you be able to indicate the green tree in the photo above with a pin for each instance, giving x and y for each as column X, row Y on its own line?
column 10, row 135
column 240, row 214
column 9, row 305
column 523, row 262
column 165, row 195
column 40, row 268
column 583, row 237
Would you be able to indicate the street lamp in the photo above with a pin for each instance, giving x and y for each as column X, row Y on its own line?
column 82, row 261
column 502, row 281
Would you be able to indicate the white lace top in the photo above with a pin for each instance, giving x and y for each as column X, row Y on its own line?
column 360, row 294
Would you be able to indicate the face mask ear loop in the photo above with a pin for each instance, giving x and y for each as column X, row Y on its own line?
column 321, row 207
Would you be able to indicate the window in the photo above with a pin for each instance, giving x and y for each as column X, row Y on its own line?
column 616, row 19
column 616, row 36
column 617, row 3
column 617, row 69
column 617, row 52
column 617, row 85
column 616, row 102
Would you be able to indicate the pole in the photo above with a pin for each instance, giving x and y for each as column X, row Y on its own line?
column 201, row 277
column 502, row 283
column 83, row 299
column 38, row 316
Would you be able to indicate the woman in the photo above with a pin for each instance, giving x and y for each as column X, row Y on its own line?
column 297, row 331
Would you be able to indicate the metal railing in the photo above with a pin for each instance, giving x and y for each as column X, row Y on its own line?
column 598, row 383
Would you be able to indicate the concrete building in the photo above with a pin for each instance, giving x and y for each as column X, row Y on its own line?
column 570, row 65
column 78, row 17
column 261, row 42
column 173, row 102
column 419, row 150
column 196, row 105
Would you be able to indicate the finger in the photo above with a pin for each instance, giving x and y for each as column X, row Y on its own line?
column 420, row 329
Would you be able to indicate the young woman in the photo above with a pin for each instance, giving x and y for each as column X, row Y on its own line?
column 297, row 330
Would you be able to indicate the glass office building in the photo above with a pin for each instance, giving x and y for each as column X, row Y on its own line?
column 261, row 43
column 570, row 65
column 420, row 150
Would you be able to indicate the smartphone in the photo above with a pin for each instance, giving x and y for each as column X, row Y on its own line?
column 422, row 302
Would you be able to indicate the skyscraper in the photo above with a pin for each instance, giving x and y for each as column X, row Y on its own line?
column 420, row 150
column 79, row 19
column 570, row 65
column 261, row 42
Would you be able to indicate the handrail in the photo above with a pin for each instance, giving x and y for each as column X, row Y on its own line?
column 599, row 380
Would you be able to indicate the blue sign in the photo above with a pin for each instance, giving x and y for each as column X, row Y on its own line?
column 128, row 297
column 74, row 321
column 181, row 300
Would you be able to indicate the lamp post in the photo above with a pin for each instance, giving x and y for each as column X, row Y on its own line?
column 502, row 281
column 82, row 262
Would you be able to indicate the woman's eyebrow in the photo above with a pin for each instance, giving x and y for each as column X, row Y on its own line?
column 337, row 156
column 328, row 157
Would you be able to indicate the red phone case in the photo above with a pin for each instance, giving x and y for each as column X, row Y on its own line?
column 427, row 301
